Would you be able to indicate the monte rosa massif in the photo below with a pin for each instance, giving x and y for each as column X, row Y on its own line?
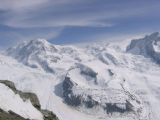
column 112, row 81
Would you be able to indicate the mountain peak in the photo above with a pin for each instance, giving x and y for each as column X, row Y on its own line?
column 152, row 36
column 43, row 55
column 36, row 44
column 149, row 46
column 33, row 53
column 38, row 41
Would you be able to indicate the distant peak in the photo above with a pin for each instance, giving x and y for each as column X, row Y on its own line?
column 28, row 47
column 38, row 41
column 36, row 44
column 153, row 35
column 148, row 47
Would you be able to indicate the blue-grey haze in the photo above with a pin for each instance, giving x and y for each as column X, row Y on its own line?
column 76, row 21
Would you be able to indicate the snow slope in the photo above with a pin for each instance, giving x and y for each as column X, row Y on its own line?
column 45, row 56
column 11, row 101
column 45, row 85
column 100, row 82
column 149, row 46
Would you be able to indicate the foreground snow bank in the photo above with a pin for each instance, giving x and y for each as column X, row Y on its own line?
column 11, row 101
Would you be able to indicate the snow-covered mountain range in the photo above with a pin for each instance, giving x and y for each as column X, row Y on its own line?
column 97, row 82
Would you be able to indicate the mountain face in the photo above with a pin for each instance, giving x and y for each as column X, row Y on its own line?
column 97, row 82
column 45, row 56
column 85, row 87
column 148, row 46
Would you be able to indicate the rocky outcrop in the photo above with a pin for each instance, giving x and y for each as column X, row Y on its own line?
column 82, row 92
column 86, row 70
column 10, row 115
column 24, row 95
column 91, row 100
column 47, row 115
column 68, row 94
column 146, row 47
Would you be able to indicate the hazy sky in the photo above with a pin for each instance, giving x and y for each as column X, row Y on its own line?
column 76, row 21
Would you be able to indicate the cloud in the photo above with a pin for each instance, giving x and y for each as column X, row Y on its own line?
column 30, row 19
column 49, row 13
column 13, row 36
column 62, row 13
column 16, row 5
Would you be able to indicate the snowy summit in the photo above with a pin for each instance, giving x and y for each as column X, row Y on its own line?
column 40, row 80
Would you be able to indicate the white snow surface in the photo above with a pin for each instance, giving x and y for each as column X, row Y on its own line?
column 40, row 67
column 11, row 101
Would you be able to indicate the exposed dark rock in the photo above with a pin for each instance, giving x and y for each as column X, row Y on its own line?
column 86, row 70
column 47, row 115
column 89, row 103
column 89, row 73
column 24, row 95
column 145, row 47
column 86, row 100
column 107, row 58
column 33, row 98
column 9, row 84
column 110, row 72
column 68, row 94
column 110, row 108
column 75, row 100
column 10, row 115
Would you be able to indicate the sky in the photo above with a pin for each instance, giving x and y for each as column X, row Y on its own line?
column 76, row 21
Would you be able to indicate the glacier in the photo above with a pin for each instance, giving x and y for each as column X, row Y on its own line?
column 97, row 82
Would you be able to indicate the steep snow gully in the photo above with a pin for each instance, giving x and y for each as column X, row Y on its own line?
column 97, row 82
